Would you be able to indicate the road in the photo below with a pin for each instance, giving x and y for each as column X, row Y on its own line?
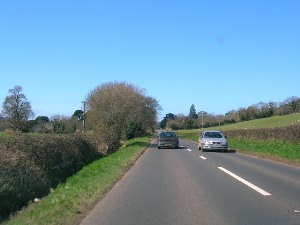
column 188, row 186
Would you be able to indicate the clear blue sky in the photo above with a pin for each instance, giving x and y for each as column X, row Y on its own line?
column 217, row 55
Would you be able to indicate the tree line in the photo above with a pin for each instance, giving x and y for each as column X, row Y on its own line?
column 115, row 111
column 204, row 119
column 17, row 111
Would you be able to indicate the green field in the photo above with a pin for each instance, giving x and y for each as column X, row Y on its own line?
column 273, row 149
column 275, row 121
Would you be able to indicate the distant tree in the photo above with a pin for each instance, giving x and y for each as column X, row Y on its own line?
column 164, row 122
column 41, row 124
column 29, row 125
column 272, row 107
column 170, row 116
column 189, row 123
column 244, row 114
column 252, row 112
column 17, row 109
column 294, row 103
column 232, row 116
column 193, row 114
column 78, row 114
column 176, row 124
column 264, row 110
column 43, row 119
column 63, row 124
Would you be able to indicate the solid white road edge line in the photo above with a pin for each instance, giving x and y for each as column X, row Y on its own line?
column 202, row 157
column 261, row 191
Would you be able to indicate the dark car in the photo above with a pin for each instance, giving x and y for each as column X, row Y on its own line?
column 167, row 139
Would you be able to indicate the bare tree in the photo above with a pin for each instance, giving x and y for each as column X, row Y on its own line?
column 17, row 109
column 117, row 109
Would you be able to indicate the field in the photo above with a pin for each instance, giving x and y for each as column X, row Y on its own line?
column 279, row 149
column 275, row 121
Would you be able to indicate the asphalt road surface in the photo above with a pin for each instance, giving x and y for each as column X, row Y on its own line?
column 186, row 186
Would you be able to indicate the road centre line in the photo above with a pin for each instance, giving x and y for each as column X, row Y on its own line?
column 261, row 191
column 202, row 157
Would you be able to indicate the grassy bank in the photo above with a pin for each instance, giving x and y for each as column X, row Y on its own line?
column 68, row 203
column 274, row 121
column 276, row 150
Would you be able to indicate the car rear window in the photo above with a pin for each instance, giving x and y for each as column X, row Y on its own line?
column 167, row 135
column 213, row 135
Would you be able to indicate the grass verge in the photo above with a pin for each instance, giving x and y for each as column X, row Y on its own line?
column 275, row 150
column 69, row 202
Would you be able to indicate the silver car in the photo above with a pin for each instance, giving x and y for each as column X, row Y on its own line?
column 212, row 140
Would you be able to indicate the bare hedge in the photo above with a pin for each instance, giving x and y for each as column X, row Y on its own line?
column 289, row 134
column 31, row 165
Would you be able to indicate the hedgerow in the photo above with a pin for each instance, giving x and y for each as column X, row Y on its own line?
column 32, row 165
column 289, row 134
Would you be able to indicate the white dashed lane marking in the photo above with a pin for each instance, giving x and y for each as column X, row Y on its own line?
column 254, row 187
column 261, row 191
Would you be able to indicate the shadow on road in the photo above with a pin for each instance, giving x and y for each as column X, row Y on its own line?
column 154, row 145
column 217, row 151
column 231, row 151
